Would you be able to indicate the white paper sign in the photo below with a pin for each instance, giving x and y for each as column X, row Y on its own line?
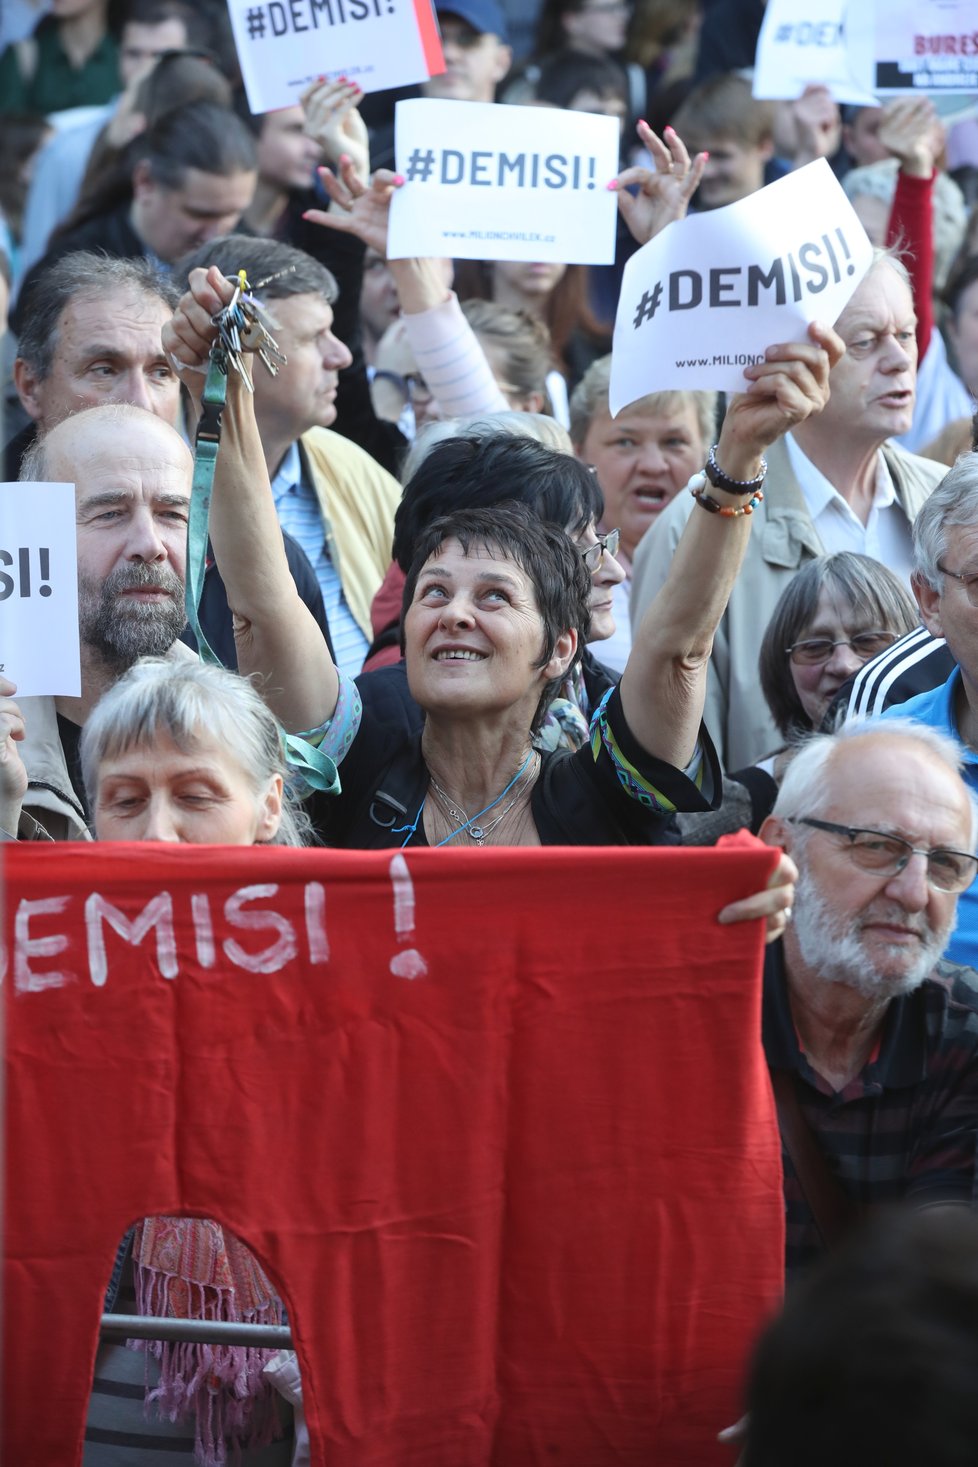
column 285, row 45
column 806, row 45
column 707, row 296
column 39, row 589
column 925, row 46
column 485, row 182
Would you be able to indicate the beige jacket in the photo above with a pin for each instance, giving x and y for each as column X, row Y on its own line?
column 357, row 500
column 782, row 538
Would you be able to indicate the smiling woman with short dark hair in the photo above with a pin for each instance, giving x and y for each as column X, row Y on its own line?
column 484, row 637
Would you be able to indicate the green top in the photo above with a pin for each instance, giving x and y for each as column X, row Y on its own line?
column 55, row 83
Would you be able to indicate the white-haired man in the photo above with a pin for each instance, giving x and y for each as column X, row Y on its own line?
column 836, row 483
column 872, row 1038
column 945, row 582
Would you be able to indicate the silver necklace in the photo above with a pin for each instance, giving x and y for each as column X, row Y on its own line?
column 480, row 833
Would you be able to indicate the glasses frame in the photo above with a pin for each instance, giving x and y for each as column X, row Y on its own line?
column 604, row 545
column 851, row 831
column 967, row 582
column 412, row 386
column 840, row 642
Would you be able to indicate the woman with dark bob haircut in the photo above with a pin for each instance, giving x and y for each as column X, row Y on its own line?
column 497, row 607
column 835, row 614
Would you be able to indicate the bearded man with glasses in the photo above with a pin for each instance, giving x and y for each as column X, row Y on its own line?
column 870, row 1034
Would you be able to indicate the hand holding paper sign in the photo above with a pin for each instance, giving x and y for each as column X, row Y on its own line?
column 788, row 386
column 664, row 195
column 700, row 302
column 911, row 130
column 333, row 121
column 817, row 125
column 667, row 667
column 13, row 775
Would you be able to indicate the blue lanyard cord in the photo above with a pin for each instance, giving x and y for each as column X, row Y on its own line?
column 400, row 829
column 206, row 444
column 473, row 818
column 316, row 769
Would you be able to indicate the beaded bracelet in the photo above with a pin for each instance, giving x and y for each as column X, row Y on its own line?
column 697, row 487
column 720, row 480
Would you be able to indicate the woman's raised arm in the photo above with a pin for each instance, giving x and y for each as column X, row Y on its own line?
column 663, row 686
column 275, row 634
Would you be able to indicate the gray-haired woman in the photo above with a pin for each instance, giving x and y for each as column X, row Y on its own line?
column 187, row 752
column 181, row 751
column 835, row 614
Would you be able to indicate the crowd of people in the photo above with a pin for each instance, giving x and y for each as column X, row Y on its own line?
column 491, row 612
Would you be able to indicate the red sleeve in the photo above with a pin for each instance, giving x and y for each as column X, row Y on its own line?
column 911, row 230
column 385, row 612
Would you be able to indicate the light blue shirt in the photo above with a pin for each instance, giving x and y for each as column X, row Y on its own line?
column 936, row 710
column 297, row 506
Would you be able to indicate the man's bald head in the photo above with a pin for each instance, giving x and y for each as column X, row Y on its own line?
column 113, row 432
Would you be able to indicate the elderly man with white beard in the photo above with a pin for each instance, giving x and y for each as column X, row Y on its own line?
column 871, row 1038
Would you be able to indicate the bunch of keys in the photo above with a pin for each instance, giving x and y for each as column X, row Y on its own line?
column 242, row 326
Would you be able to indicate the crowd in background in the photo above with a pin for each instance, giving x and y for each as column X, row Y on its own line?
column 433, row 420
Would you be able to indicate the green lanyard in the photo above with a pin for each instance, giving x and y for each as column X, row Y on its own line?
column 312, row 767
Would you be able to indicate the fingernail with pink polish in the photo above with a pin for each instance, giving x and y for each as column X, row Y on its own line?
column 667, row 128
column 398, row 179
column 612, row 186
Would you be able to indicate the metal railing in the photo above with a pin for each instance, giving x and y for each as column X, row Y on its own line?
column 195, row 1331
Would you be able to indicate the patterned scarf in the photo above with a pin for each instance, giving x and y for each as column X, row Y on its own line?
column 565, row 723
column 189, row 1268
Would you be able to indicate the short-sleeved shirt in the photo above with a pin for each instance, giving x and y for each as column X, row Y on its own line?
column 906, row 1127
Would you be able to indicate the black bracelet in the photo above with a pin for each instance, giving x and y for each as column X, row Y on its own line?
column 720, row 480
column 697, row 487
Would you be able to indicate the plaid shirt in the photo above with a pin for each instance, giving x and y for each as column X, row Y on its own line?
column 907, row 1125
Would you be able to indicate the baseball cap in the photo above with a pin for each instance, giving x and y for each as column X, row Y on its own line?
column 485, row 16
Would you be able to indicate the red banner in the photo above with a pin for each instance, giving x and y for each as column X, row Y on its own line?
column 497, row 1123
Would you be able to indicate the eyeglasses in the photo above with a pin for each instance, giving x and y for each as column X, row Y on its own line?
column 815, row 650
column 886, row 855
column 969, row 582
column 604, row 545
column 412, row 386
